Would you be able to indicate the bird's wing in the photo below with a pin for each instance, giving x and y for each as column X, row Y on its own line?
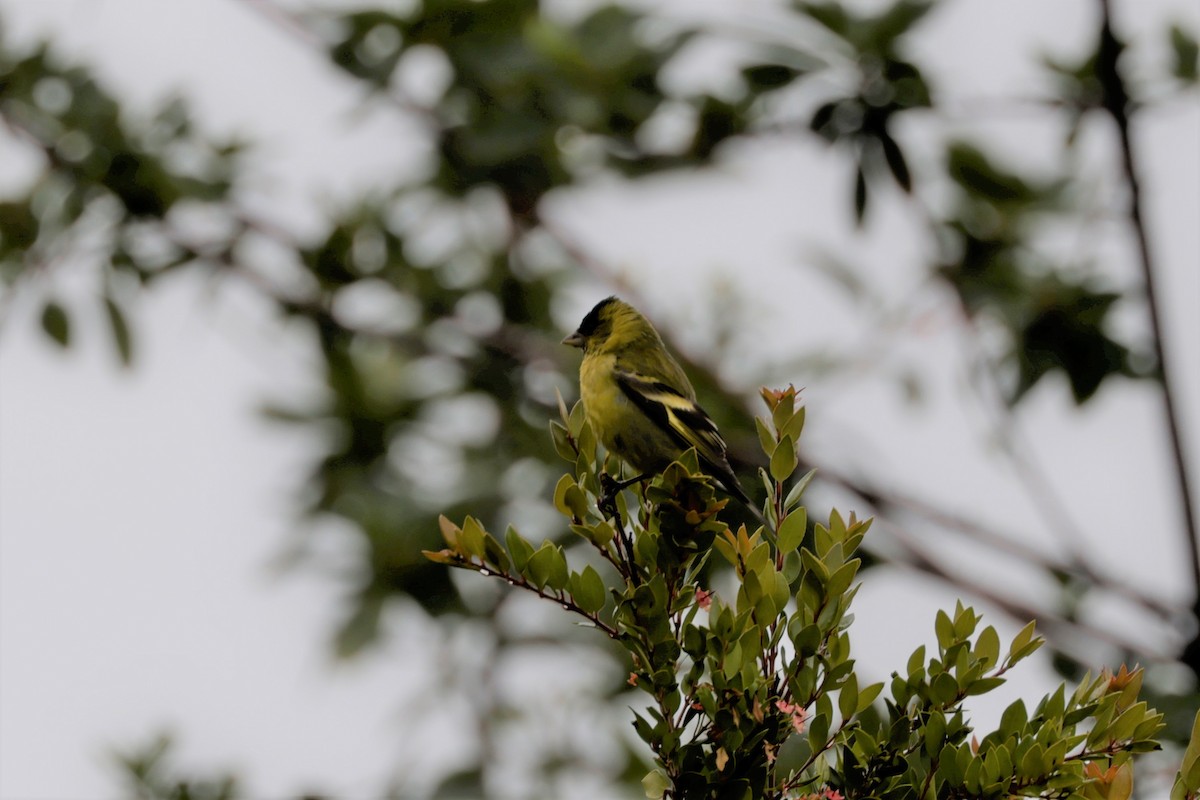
column 679, row 416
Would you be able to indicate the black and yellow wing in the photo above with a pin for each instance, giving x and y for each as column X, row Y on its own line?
column 684, row 421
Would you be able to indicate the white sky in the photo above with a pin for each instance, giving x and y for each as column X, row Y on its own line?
column 141, row 511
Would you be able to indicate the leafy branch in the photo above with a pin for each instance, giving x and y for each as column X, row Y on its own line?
column 758, row 694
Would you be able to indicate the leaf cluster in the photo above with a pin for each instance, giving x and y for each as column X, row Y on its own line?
column 106, row 185
column 752, row 691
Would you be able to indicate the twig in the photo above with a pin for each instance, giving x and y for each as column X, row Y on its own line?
column 562, row 598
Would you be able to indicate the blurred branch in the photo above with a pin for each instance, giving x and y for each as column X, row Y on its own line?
column 1117, row 103
column 921, row 559
column 888, row 503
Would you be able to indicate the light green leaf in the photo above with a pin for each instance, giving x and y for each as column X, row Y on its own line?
column 944, row 629
column 791, row 531
column 560, row 494
column 547, row 567
column 470, row 538
column 562, row 444
column 848, row 697
column 589, row 590
column 793, row 496
column 783, row 460
column 655, row 784
column 518, row 548
column 987, row 647
column 765, row 440
column 1021, row 640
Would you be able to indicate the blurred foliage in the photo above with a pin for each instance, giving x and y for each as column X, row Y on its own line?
column 430, row 304
column 150, row 774
column 106, row 185
column 1053, row 321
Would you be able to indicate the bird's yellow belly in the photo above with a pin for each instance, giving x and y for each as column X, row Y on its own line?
column 621, row 426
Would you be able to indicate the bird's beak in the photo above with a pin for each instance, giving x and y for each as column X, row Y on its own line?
column 574, row 340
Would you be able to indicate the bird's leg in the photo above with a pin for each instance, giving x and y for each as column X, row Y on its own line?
column 607, row 502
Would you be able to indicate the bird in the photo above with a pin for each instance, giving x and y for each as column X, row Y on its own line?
column 639, row 401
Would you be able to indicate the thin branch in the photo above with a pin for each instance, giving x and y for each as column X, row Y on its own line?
column 888, row 503
column 562, row 598
column 919, row 559
column 1116, row 103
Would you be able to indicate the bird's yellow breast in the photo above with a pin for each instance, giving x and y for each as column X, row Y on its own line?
column 618, row 423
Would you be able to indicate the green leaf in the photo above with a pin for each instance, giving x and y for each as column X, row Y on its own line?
column 726, row 549
column 896, row 161
column 558, row 576
column 795, row 426
column 808, row 640
column 944, row 688
column 56, row 324
column 578, row 418
column 1190, row 768
column 589, row 590
column 987, row 648
column 1186, row 51
column 944, row 629
column 793, row 496
column 547, row 567
column 814, row 565
column 120, row 330
column 791, row 531
column 935, row 733
column 493, row 552
column 791, row 566
column 765, row 440
column 840, row 581
column 560, row 494
column 783, row 460
column 848, row 697
column 655, row 784
column 599, row 533
column 769, row 76
column 781, row 415
column 860, row 195
column 984, row 685
column 916, row 661
column 562, row 442
column 518, row 548
column 576, row 500
column 1013, row 720
column 867, row 696
column 1021, row 643
column 470, row 538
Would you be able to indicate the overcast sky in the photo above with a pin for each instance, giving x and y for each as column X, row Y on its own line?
column 142, row 512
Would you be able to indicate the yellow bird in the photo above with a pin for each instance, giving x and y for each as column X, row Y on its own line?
column 638, row 399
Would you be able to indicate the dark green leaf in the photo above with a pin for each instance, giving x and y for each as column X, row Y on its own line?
column 860, row 195
column 120, row 330
column 769, row 76
column 56, row 324
column 896, row 161
column 1186, row 52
